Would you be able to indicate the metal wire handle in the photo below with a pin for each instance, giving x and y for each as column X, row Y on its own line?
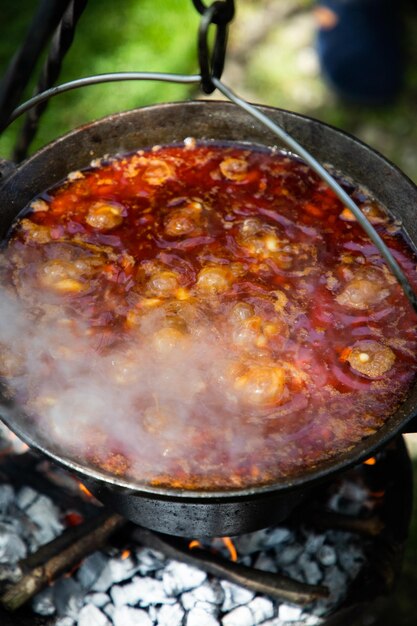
column 277, row 130
column 60, row 44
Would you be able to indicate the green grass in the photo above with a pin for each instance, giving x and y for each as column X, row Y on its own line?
column 129, row 35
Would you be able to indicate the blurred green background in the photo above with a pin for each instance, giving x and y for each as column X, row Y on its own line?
column 271, row 60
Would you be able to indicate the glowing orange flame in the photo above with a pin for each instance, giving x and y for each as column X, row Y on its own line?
column 194, row 544
column 231, row 547
column 125, row 555
column 84, row 490
column 370, row 461
column 377, row 494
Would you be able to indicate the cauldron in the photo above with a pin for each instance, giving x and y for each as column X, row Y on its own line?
column 199, row 513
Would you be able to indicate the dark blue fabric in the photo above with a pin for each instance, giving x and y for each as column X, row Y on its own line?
column 361, row 57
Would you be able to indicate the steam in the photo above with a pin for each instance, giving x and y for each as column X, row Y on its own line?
column 152, row 405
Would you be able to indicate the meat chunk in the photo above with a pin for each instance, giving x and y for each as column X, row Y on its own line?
column 158, row 172
column 61, row 276
column 234, row 169
column 371, row 358
column 105, row 215
column 184, row 221
column 260, row 385
column 363, row 291
column 162, row 283
column 214, row 279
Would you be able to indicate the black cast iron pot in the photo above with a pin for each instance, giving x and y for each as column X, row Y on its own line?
column 199, row 513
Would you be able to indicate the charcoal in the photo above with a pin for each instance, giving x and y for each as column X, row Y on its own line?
column 90, row 615
column 180, row 577
column 288, row 613
column 336, row 580
column 277, row 535
column 115, row 570
column 46, row 516
column 312, row 620
column 98, row 599
column 234, row 596
column 208, row 593
column 7, row 496
column 64, row 621
column 90, row 569
column 261, row 608
column 127, row 616
column 43, row 603
column 262, row 539
column 109, row 610
column 68, row 597
column 351, row 559
column 349, row 499
column 288, row 554
column 241, row 616
column 10, row 573
column 145, row 591
column 265, row 563
column 12, row 548
column 25, row 497
column 327, row 555
column 170, row 615
column 200, row 617
column 313, row 542
column 153, row 611
column 189, row 603
column 294, row 571
column 149, row 560
column 311, row 571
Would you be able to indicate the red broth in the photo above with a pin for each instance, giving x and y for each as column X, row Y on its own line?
column 211, row 317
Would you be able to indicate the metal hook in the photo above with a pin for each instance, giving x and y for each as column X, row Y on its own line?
column 224, row 13
column 212, row 63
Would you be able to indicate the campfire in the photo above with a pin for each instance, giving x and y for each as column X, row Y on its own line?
column 67, row 561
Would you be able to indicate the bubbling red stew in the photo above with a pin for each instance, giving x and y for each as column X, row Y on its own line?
column 206, row 316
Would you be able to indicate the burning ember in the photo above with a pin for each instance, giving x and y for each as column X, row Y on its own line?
column 128, row 583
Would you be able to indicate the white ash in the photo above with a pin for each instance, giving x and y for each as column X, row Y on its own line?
column 7, row 497
column 64, row 621
column 241, row 616
column 234, row 595
column 68, row 597
column 200, row 617
column 114, row 570
column 179, row 577
column 12, row 547
column 170, row 615
column 287, row 613
column 261, row 609
column 44, row 603
column 143, row 591
column 98, row 599
column 149, row 560
column 92, row 568
column 208, row 594
column 128, row 616
column 90, row 615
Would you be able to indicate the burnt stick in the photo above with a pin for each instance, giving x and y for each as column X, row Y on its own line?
column 61, row 555
column 273, row 585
